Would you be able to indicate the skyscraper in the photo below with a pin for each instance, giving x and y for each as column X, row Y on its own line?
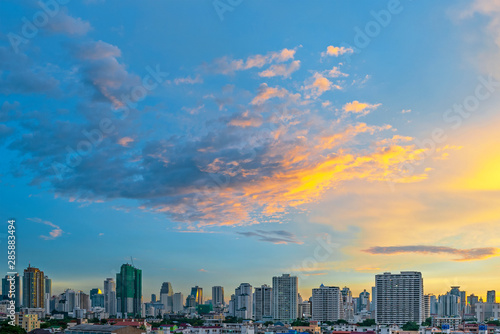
column 110, row 296
column 399, row 298
column 177, row 302
column 96, row 298
column 243, row 301
column 263, row 303
column 491, row 296
column 33, row 288
column 129, row 291
column 285, row 298
column 166, row 294
column 218, row 296
column 197, row 293
column 326, row 303
column 347, row 304
column 364, row 301
column 16, row 280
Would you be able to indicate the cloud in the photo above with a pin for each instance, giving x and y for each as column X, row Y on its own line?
column 66, row 24
column 335, row 73
column 406, row 111
column 226, row 65
column 336, row 51
column 55, row 233
column 246, row 120
column 265, row 93
column 188, row 80
column 281, row 70
column 359, row 108
column 125, row 141
column 317, row 85
column 470, row 254
column 275, row 237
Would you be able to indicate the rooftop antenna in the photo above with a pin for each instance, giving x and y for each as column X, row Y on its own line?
column 132, row 260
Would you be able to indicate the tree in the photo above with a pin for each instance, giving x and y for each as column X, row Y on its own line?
column 411, row 326
column 494, row 322
column 341, row 321
column 300, row 322
column 8, row 329
column 268, row 323
column 427, row 322
column 367, row 323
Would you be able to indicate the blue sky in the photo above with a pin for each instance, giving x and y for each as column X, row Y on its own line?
column 260, row 134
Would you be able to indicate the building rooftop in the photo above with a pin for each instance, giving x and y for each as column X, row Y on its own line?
column 94, row 328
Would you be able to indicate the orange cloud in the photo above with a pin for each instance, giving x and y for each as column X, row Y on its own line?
column 359, row 108
column 336, row 51
column 266, row 93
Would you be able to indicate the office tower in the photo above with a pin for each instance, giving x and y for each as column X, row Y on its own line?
column 491, row 296
column 153, row 298
column 263, row 302
column 305, row 310
column 218, row 296
column 82, row 301
column 48, row 285
column 33, row 288
column 347, row 304
column 110, row 296
column 190, row 301
column 197, row 293
column 364, row 301
column 166, row 294
column 96, row 298
column 449, row 305
column 373, row 306
column 427, row 306
column 177, row 302
column 285, row 298
column 129, row 291
column 243, row 301
column 326, row 303
column 399, row 298
column 69, row 300
column 434, row 305
column 15, row 280
column 472, row 300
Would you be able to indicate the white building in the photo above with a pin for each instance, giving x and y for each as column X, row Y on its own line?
column 285, row 297
column 177, row 302
column 326, row 303
column 399, row 298
column 218, row 296
column 241, row 305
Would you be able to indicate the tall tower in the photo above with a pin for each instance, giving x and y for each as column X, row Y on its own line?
column 243, row 301
column 263, row 303
column 399, row 298
column 129, row 291
column 166, row 294
column 285, row 297
column 110, row 296
column 197, row 293
column 326, row 303
column 217, row 296
column 33, row 288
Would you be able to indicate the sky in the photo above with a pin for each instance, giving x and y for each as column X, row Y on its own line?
column 216, row 143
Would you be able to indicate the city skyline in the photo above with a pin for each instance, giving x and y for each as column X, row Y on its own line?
column 306, row 293
column 332, row 142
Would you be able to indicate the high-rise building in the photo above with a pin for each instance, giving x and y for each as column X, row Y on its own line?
column 177, row 302
column 153, row 298
column 197, row 293
column 82, row 301
column 449, row 305
column 166, row 294
column 326, row 303
column 33, row 288
column 243, row 301
column 218, row 296
column 347, row 304
column 96, row 298
column 363, row 301
column 399, row 298
column 285, row 297
column 304, row 310
column 6, row 283
column 427, row 306
column 110, row 296
column 263, row 303
column 491, row 296
column 129, row 291
column 373, row 306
